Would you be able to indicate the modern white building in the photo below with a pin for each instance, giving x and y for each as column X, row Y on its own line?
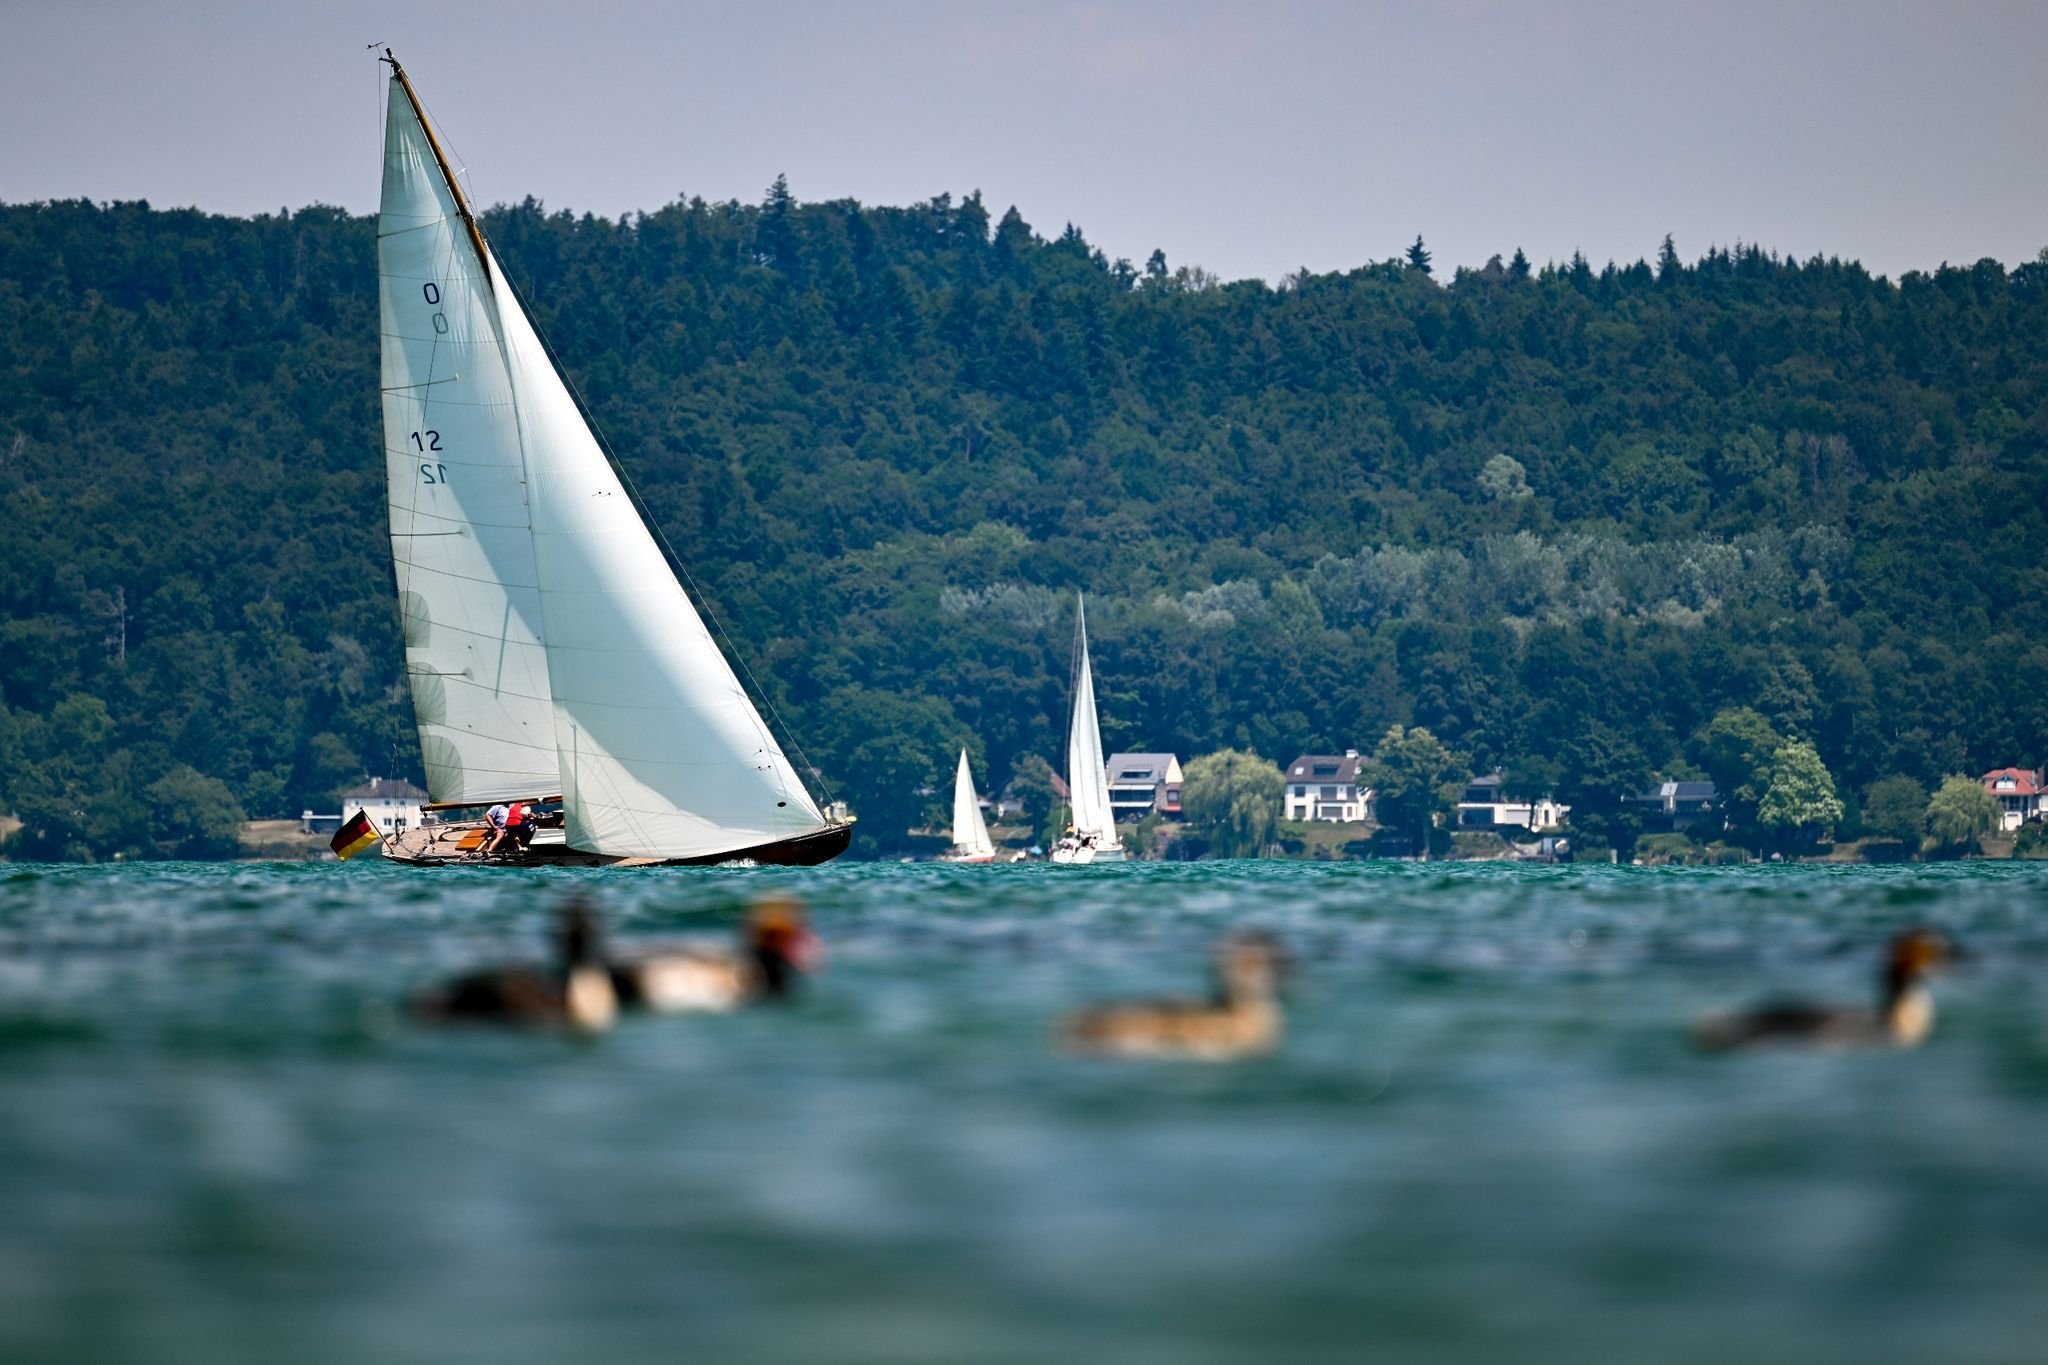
column 1327, row 787
column 1484, row 805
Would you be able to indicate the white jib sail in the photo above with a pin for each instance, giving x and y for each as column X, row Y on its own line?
column 1087, row 775
column 662, row 752
column 467, row 589
column 970, row 831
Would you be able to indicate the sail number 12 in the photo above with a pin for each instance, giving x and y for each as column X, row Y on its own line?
column 424, row 441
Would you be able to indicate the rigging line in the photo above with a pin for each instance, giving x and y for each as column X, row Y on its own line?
column 675, row 561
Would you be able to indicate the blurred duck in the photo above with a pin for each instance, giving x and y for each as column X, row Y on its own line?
column 776, row 947
column 1903, row 1017
column 1242, row 1019
column 575, row 994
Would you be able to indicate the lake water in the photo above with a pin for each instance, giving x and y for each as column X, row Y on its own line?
column 1485, row 1137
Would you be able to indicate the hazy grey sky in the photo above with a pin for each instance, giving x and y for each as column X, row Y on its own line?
column 1248, row 138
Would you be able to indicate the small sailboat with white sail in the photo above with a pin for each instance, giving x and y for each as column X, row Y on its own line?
column 1092, row 837
column 554, row 657
column 971, row 843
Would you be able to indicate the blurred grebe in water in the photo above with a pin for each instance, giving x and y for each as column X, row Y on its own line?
column 1904, row 1013
column 1242, row 1018
column 776, row 947
column 575, row 993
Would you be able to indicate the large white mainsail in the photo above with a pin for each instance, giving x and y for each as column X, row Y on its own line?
column 970, row 831
column 1087, row 775
column 552, row 648
column 467, row 590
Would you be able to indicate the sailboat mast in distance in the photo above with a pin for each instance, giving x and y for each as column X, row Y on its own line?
column 971, row 842
column 552, row 650
column 1094, row 834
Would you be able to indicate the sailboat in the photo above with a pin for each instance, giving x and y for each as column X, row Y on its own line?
column 971, row 843
column 1093, row 839
column 553, row 655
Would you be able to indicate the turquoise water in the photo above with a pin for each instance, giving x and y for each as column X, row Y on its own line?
column 1485, row 1137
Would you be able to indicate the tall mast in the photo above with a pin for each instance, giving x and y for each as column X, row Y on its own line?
column 476, row 237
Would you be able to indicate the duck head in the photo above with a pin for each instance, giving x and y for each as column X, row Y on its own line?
column 1914, row 954
column 780, row 941
column 1250, row 966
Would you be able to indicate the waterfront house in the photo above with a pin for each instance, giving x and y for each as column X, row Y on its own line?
column 1327, row 787
column 1142, row 784
column 1673, row 807
column 393, row 803
column 2022, row 795
column 1484, row 804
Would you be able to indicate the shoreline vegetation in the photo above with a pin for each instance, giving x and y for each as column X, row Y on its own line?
column 1749, row 518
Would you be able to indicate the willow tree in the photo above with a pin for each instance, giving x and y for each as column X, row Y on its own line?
column 1236, row 796
column 1961, row 810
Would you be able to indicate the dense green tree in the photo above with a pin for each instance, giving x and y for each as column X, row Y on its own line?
column 1233, row 796
column 1895, row 807
column 1603, row 770
column 1504, row 479
column 1669, row 269
column 1736, row 748
column 194, row 816
column 775, row 239
column 1418, row 257
column 1799, row 801
column 1414, row 777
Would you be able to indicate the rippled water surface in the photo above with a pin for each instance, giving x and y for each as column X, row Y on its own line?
column 1485, row 1137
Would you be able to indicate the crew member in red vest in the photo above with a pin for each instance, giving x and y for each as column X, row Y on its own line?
column 517, row 831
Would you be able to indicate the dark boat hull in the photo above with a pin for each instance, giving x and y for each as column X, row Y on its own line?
column 806, row 850
column 438, row 846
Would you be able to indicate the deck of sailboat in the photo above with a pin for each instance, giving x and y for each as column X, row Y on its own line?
column 459, row 842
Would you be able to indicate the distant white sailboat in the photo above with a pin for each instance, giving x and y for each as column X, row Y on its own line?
column 1093, row 838
column 971, row 843
column 553, row 655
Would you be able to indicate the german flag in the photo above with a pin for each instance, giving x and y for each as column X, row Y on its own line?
column 354, row 836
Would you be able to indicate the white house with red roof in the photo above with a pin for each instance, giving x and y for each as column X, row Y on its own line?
column 2022, row 795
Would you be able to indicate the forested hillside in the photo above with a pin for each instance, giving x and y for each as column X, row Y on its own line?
column 1560, row 516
